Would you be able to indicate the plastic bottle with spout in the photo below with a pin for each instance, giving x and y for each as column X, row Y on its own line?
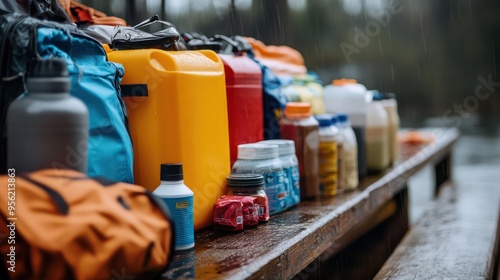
column 47, row 127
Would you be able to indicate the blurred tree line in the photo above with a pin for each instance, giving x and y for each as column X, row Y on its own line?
column 433, row 54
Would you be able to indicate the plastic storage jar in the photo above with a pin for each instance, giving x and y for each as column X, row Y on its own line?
column 377, row 136
column 264, row 160
column 349, row 180
column 250, row 185
column 290, row 164
column 391, row 107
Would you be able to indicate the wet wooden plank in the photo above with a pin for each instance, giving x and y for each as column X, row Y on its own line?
column 290, row 241
column 455, row 239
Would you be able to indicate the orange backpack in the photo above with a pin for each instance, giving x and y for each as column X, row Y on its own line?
column 61, row 224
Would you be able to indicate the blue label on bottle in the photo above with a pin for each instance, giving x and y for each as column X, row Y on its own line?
column 276, row 191
column 294, row 178
column 288, row 187
column 181, row 210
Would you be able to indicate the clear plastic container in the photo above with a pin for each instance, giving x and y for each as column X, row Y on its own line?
column 264, row 160
column 346, row 96
column 290, row 164
column 377, row 136
column 300, row 126
column 349, row 181
column 391, row 107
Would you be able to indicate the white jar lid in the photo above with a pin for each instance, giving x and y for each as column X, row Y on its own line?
column 257, row 151
column 285, row 147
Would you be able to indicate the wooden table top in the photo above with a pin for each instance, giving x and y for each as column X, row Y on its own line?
column 285, row 245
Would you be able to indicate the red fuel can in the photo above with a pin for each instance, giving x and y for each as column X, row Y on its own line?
column 244, row 101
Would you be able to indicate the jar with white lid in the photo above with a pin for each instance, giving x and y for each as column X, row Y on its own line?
column 264, row 159
column 286, row 150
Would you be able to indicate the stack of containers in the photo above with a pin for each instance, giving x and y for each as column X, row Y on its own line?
column 349, row 178
column 349, row 97
column 299, row 125
column 377, row 135
column 177, row 108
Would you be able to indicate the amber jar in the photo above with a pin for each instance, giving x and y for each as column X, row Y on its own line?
column 300, row 126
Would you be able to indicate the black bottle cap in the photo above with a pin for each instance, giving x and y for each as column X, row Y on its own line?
column 245, row 181
column 171, row 172
column 51, row 67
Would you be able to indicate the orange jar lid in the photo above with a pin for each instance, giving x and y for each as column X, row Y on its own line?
column 298, row 110
column 342, row 82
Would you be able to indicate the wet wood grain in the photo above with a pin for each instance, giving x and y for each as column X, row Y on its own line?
column 291, row 240
column 455, row 239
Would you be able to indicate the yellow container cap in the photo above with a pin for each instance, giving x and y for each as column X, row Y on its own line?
column 343, row 82
column 298, row 110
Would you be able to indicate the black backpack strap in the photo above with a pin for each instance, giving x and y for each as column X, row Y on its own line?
column 58, row 200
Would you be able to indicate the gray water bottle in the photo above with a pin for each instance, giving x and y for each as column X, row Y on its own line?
column 46, row 126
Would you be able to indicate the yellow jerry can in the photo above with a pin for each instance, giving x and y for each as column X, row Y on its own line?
column 177, row 112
